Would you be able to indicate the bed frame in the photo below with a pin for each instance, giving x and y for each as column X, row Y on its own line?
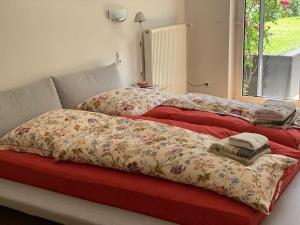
column 74, row 211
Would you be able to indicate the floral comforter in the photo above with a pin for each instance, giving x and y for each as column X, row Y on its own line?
column 149, row 148
column 208, row 103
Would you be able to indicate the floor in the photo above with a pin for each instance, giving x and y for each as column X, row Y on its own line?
column 286, row 211
column 12, row 217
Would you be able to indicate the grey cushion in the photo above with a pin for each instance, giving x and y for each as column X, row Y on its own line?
column 73, row 89
column 20, row 105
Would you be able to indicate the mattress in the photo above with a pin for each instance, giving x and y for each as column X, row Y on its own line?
column 174, row 202
column 289, row 137
column 68, row 210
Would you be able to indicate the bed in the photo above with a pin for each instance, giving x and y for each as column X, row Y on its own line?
column 177, row 203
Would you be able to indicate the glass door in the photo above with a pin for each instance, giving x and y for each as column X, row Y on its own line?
column 272, row 49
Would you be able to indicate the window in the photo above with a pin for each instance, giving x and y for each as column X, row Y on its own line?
column 271, row 49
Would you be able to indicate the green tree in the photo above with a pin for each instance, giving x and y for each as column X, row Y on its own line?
column 294, row 8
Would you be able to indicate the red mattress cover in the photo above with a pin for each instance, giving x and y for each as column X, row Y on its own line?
column 178, row 203
column 289, row 137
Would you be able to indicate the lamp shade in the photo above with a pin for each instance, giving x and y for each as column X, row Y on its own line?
column 139, row 17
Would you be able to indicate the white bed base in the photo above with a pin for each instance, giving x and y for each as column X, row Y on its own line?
column 74, row 211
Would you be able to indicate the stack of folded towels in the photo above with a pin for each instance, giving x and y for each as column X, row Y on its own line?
column 276, row 113
column 244, row 148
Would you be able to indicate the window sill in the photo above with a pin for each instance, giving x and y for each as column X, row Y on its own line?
column 258, row 99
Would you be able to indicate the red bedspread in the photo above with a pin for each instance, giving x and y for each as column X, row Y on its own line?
column 178, row 203
column 289, row 137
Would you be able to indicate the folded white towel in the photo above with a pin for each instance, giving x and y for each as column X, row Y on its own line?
column 242, row 155
column 278, row 124
column 250, row 141
column 275, row 110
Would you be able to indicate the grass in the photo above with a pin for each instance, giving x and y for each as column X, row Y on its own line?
column 285, row 36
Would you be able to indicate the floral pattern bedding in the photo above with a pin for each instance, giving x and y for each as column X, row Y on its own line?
column 138, row 101
column 208, row 103
column 149, row 148
column 134, row 101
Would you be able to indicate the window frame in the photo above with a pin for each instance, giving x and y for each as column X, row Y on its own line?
column 239, row 57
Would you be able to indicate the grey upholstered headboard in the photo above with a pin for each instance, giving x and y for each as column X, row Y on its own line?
column 22, row 104
column 75, row 88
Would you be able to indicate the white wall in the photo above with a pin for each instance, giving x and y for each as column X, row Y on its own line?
column 42, row 37
column 210, row 45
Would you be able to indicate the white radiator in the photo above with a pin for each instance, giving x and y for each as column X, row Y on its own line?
column 165, row 58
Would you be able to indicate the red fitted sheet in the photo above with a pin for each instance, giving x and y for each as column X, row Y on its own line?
column 289, row 137
column 178, row 203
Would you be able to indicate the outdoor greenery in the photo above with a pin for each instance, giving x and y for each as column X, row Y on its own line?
column 279, row 15
column 285, row 36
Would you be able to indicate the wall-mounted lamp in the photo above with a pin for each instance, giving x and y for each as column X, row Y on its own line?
column 140, row 18
column 117, row 15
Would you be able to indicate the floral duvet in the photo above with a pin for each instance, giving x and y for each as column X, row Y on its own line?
column 208, row 103
column 149, row 148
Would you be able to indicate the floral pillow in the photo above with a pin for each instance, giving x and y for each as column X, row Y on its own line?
column 133, row 101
